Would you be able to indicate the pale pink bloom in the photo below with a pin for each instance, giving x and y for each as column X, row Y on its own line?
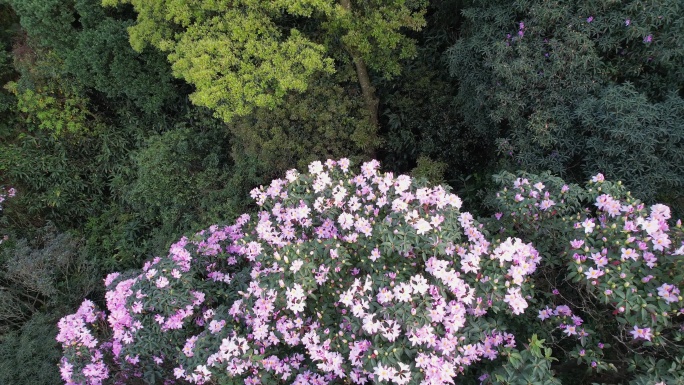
column 110, row 278
column 644, row 333
column 593, row 273
column 216, row 326
column 588, row 225
column 545, row 313
column 162, row 282
column 402, row 183
column 150, row 273
column 577, row 243
column 402, row 292
column 346, row 221
column 515, row 300
column 661, row 241
column 546, row 204
column 384, row 296
column 344, row 164
column 419, row 284
column 570, row 330
column 520, row 182
column 296, row 265
column 382, row 372
column 422, row 226
column 669, row 293
column 598, row 178
column 315, row 167
column 563, row 310
column 628, row 253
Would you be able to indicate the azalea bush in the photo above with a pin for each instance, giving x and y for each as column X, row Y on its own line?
column 612, row 259
column 367, row 277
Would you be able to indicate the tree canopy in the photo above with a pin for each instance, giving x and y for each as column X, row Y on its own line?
column 245, row 54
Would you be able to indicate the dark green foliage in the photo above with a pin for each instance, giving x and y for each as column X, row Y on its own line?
column 326, row 122
column 93, row 46
column 104, row 60
column 667, row 372
column 29, row 356
column 40, row 279
column 551, row 88
column 421, row 120
column 179, row 181
column 184, row 177
column 63, row 179
column 531, row 366
column 635, row 139
column 43, row 273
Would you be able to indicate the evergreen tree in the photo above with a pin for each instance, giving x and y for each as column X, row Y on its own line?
column 578, row 87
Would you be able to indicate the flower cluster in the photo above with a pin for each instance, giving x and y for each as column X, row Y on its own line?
column 370, row 277
column 83, row 358
column 630, row 257
column 366, row 277
column 569, row 323
column 350, row 267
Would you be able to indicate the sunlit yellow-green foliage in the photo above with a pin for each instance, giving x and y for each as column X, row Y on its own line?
column 372, row 28
column 242, row 54
column 52, row 107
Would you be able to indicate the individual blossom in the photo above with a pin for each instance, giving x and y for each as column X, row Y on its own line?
column 545, row 313
column 216, row 326
column 384, row 373
column 162, row 282
column 641, row 333
column 296, row 265
column 669, row 293
column 588, row 225
column 593, row 273
column 546, row 204
column 628, row 253
column 577, row 243
column 316, row 167
column 422, row 226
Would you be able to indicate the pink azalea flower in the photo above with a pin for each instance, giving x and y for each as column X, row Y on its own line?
column 639, row 333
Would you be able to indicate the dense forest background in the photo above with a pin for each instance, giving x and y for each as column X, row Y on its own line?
column 127, row 124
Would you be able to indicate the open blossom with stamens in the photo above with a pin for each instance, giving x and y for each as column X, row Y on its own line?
column 669, row 293
column 641, row 333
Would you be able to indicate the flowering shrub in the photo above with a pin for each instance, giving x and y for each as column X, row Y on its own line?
column 78, row 341
column 342, row 277
column 620, row 264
